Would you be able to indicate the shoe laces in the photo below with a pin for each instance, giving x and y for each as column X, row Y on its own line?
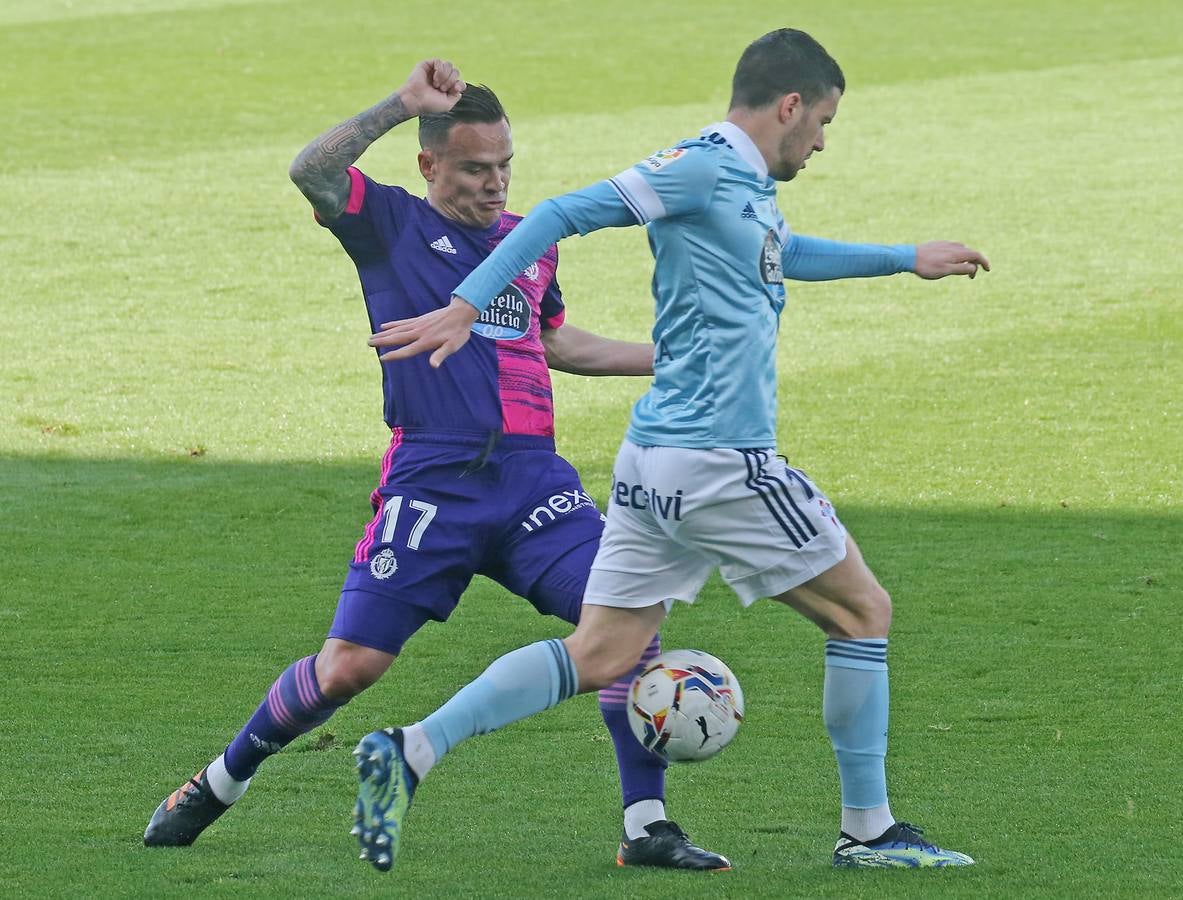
column 907, row 833
column 190, row 789
column 674, row 829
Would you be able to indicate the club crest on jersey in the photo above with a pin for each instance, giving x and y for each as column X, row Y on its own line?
column 383, row 565
column 507, row 317
column 664, row 157
column 770, row 270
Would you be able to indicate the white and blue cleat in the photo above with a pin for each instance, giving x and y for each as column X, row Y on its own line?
column 386, row 785
column 901, row 846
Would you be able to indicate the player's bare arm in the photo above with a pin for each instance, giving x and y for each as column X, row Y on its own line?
column 937, row 259
column 579, row 352
column 319, row 170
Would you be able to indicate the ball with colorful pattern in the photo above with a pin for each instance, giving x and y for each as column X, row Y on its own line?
column 685, row 705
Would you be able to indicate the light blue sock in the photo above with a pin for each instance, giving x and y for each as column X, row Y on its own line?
column 519, row 684
column 854, row 706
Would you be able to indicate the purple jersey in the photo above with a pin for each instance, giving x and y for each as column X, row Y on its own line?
column 409, row 258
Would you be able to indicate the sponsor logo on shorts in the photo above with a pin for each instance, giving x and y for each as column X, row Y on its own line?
column 557, row 505
column 827, row 511
column 636, row 496
column 383, row 565
column 507, row 317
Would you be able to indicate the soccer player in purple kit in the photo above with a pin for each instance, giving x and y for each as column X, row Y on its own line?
column 471, row 483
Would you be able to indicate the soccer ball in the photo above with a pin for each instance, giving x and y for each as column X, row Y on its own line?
column 686, row 705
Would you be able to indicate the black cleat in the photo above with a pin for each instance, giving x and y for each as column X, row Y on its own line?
column 184, row 814
column 669, row 847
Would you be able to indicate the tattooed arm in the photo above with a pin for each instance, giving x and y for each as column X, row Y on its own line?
column 433, row 86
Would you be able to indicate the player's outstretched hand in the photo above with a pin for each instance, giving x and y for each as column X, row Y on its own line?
column 433, row 86
column 936, row 259
column 443, row 330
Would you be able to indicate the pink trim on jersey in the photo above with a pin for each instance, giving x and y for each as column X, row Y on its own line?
column 357, row 191
column 362, row 552
column 557, row 321
column 526, row 404
column 523, row 379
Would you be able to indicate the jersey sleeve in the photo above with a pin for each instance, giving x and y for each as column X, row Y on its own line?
column 372, row 217
column 552, row 309
column 671, row 182
column 805, row 258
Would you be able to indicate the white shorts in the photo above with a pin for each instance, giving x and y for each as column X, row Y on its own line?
column 676, row 514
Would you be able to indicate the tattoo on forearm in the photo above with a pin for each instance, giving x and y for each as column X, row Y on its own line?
column 334, row 141
column 319, row 169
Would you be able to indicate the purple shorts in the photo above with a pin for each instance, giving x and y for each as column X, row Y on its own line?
column 521, row 518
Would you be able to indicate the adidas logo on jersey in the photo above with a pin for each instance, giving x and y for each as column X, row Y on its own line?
column 443, row 245
column 748, row 213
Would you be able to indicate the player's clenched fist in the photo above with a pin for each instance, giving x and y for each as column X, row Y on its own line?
column 433, row 86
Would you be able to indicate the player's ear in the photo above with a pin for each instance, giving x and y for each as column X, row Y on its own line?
column 427, row 165
column 790, row 105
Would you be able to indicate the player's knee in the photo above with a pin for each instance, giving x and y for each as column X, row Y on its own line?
column 869, row 614
column 604, row 673
column 342, row 683
column 875, row 612
column 600, row 666
column 343, row 674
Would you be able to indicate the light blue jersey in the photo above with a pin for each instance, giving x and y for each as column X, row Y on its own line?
column 716, row 235
column 722, row 251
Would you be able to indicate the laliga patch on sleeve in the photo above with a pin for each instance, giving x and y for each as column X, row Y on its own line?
column 665, row 157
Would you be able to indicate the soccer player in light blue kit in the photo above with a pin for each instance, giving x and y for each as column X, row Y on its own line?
column 697, row 482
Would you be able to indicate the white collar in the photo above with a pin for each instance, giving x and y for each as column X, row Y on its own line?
column 743, row 145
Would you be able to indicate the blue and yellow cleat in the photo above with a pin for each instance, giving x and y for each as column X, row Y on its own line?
column 901, row 846
column 386, row 785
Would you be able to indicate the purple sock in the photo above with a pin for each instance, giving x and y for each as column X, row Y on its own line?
column 642, row 774
column 293, row 706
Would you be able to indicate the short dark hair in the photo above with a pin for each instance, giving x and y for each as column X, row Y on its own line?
column 478, row 104
column 783, row 62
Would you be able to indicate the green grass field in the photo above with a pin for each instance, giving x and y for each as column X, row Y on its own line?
column 190, row 428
